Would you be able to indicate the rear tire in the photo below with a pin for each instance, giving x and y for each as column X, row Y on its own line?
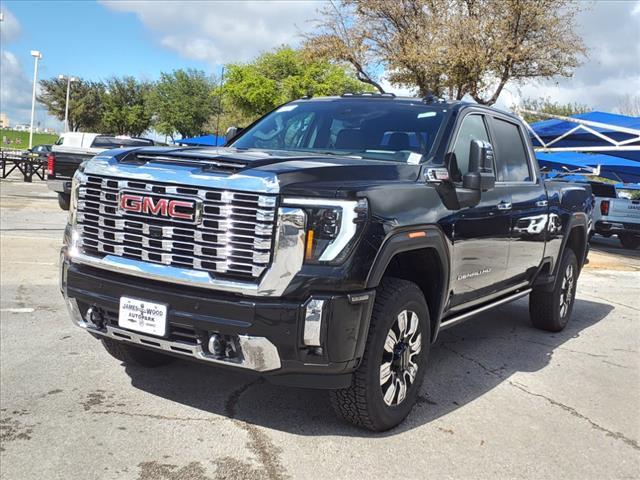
column 131, row 355
column 551, row 310
column 385, row 387
column 64, row 200
column 628, row 240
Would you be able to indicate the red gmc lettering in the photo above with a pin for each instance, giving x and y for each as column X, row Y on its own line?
column 177, row 203
column 159, row 207
column 162, row 206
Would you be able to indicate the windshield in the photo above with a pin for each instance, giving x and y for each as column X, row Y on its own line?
column 378, row 129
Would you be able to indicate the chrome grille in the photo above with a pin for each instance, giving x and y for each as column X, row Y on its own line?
column 233, row 239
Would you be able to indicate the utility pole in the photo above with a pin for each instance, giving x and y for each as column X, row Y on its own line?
column 219, row 106
column 66, row 105
column 37, row 55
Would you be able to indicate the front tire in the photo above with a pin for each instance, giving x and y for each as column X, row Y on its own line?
column 385, row 387
column 64, row 201
column 132, row 355
column 551, row 310
column 629, row 240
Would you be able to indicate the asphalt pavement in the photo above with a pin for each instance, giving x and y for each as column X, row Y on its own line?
column 501, row 400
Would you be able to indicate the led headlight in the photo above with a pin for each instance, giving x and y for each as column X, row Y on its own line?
column 332, row 227
column 79, row 178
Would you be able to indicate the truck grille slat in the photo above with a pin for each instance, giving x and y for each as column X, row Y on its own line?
column 234, row 238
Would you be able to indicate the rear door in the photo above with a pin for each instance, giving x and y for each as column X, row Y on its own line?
column 480, row 233
column 528, row 210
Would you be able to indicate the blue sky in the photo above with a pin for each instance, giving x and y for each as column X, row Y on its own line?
column 88, row 39
column 96, row 40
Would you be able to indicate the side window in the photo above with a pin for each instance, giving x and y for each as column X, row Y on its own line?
column 472, row 128
column 511, row 155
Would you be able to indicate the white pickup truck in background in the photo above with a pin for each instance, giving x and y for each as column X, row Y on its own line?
column 614, row 214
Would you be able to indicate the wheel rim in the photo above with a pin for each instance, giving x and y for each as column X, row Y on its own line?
column 566, row 290
column 399, row 366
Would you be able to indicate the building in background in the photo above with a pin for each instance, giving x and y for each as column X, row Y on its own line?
column 4, row 120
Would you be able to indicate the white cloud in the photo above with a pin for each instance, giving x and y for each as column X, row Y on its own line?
column 10, row 27
column 225, row 31
column 611, row 31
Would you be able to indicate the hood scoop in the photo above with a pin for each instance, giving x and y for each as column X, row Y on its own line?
column 217, row 163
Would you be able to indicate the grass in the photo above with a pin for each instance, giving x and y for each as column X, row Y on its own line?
column 38, row 139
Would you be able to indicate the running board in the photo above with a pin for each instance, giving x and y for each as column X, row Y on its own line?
column 450, row 322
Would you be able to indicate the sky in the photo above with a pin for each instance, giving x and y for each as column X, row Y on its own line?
column 96, row 40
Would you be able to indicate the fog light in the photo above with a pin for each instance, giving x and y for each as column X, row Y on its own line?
column 313, row 322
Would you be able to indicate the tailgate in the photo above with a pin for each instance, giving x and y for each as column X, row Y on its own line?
column 625, row 208
column 67, row 163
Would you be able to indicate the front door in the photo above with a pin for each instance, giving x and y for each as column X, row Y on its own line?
column 481, row 233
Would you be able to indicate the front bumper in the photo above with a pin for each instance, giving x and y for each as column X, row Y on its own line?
column 270, row 332
column 60, row 186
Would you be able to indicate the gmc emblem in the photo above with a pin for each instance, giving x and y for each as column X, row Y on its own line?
column 189, row 210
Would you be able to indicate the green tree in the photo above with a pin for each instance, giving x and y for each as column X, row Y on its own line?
column 283, row 75
column 546, row 105
column 125, row 106
column 85, row 102
column 183, row 101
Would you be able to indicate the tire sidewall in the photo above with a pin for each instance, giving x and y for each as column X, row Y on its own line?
column 388, row 416
column 569, row 257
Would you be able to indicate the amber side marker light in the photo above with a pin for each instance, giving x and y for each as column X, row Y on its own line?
column 308, row 252
column 417, row 234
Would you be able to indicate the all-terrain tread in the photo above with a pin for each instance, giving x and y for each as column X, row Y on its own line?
column 351, row 403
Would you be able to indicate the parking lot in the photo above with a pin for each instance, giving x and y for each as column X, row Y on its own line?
column 501, row 400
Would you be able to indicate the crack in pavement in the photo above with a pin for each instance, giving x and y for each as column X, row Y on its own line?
column 259, row 443
column 616, row 435
column 154, row 417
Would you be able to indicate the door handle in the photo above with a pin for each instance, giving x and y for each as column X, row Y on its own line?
column 504, row 206
column 542, row 203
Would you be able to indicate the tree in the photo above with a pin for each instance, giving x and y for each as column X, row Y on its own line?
column 125, row 106
column 283, row 75
column 85, row 102
column 545, row 105
column 629, row 105
column 452, row 47
column 183, row 101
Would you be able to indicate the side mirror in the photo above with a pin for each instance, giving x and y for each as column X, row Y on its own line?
column 232, row 132
column 481, row 176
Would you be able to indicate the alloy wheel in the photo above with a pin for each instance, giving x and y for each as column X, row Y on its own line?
column 399, row 365
column 566, row 290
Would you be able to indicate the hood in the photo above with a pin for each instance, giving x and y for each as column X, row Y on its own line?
column 298, row 173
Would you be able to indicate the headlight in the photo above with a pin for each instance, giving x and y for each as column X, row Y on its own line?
column 79, row 178
column 333, row 227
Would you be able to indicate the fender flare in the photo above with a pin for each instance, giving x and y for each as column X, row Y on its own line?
column 576, row 220
column 398, row 241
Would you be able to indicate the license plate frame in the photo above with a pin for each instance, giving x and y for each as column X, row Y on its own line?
column 143, row 316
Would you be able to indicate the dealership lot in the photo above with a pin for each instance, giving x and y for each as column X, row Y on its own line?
column 501, row 399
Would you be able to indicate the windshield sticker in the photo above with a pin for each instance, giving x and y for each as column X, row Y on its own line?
column 287, row 108
column 414, row 158
column 427, row 114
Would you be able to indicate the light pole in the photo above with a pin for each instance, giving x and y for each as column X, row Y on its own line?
column 37, row 55
column 66, row 105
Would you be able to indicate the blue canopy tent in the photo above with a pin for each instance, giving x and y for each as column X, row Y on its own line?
column 587, row 141
column 203, row 140
column 614, row 168
column 607, row 132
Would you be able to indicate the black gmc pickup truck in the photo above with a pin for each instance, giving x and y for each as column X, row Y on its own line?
column 326, row 246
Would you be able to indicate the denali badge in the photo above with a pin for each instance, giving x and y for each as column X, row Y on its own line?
column 190, row 210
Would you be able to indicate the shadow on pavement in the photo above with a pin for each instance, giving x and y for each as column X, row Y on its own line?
column 498, row 344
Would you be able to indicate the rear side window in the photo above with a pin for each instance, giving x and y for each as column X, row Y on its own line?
column 472, row 128
column 115, row 142
column 510, row 151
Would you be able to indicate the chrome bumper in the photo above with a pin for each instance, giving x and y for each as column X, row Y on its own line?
column 257, row 353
